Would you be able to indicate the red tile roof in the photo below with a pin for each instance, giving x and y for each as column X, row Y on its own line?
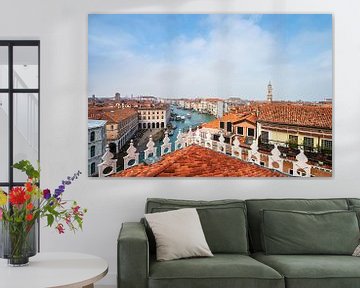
column 215, row 124
column 114, row 116
column 198, row 161
column 300, row 114
column 230, row 117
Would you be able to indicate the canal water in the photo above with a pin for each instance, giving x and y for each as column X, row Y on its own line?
column 196, row 119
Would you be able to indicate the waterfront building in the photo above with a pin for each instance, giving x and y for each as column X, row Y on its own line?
column 122, row 124
column 155, row 116
column 216, row 107
column 96, row 144
column 181, row 103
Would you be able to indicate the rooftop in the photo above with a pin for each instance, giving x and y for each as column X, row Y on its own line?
column 230, row 117
column 114, row 116
column 299, row 114
column 197, row 161
column 154, row 107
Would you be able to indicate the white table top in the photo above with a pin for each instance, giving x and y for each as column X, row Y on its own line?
column 45, row 270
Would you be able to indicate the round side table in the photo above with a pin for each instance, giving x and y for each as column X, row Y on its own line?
column 50, row 270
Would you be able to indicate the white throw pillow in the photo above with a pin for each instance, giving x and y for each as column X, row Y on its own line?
column 357, row 251
column 178, row 234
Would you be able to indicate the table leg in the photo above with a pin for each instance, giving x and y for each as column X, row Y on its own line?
column 89, row 286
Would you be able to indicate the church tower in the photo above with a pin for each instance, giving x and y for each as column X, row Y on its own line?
column 117, row 97
column 269, row 92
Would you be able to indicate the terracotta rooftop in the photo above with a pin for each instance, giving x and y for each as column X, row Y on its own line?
column 198, row 161
column 299, row 114
column 114, row 116
column 230, row 117
column 215, row 124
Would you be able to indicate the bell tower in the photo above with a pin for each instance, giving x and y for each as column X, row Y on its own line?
column 269, row 92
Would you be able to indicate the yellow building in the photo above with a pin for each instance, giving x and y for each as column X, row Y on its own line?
column 297, row 125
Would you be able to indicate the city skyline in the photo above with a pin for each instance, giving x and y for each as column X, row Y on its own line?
column 192, row 56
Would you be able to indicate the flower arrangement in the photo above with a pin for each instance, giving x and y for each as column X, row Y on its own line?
column 23, row 206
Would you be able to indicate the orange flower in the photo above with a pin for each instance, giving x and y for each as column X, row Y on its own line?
column 27, row 196
column 29, row 206
column 29, row 217
column 29, row 186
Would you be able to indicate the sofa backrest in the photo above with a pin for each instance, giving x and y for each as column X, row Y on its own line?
column 224, row 222
column 255, row 206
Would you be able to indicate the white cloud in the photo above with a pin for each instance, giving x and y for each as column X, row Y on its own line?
column 237, row 58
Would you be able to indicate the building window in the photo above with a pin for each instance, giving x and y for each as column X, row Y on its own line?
column 240, row 130
column 293, row 141
column 264, row 137
column 251, row 132
column 308, row 143
column 326, row 145
column 228, row 126
column 92, row 136
column 92, row 168
column 19, row 108
column 92, row 151
column 222, row 125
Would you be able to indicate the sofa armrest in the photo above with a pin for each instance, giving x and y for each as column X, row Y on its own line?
column 133, row 256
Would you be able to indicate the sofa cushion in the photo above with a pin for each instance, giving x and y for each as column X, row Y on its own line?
column 296, row 232
column 178, row 234
column 314, row 271
column 222, row 270
column 353, row 201
column 255, row 206
column 223, row 221
column 356, row 209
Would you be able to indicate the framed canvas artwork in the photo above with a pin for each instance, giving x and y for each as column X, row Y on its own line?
column 210, row 95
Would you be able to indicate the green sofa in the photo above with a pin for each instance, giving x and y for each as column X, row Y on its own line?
column 233, row 230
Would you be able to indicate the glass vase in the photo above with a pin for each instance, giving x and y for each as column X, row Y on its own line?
column 18, row 242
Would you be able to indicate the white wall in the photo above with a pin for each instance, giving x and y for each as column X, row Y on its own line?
column 61, row 25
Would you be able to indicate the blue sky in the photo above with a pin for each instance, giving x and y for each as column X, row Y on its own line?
column 214, row 55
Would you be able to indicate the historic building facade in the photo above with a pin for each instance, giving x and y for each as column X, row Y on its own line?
column 122, row 124
column 154, row 117
column 96, row 144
